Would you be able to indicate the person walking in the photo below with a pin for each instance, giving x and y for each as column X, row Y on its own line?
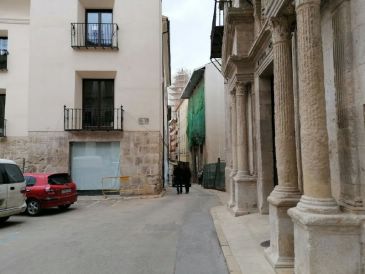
column 187, row 177
column 178, row 177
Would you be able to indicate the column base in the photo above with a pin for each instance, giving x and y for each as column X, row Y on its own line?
column 327, row 243
column 318, row 206
column 245, row 194
column 231, row 203
column 280, row 264
column 280, row 254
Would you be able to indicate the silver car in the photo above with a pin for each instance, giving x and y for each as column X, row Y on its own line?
column 12, row 190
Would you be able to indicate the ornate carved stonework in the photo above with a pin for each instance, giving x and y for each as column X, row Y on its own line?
column 280, row 29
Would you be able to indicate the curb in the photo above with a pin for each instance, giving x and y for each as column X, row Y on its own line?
column 118, row 197
column 232, row 264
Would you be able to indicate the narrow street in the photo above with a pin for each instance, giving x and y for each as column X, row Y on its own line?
column 172, row 234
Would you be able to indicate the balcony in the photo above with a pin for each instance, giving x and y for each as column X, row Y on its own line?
column 216, row 36
column 3, row 60
column 93, row 119
column 2, row 127
column 98, row 35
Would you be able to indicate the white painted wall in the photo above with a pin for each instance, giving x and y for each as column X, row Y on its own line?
column 214, row 114
column 55, row 69
column 14, row 23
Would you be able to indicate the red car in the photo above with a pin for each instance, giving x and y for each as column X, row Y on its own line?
column 49, row 190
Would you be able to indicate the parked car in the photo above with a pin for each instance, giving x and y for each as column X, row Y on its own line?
column 49, row 190
column 12, row 190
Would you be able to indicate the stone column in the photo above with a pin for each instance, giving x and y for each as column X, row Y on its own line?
column 315, row 153
column 245, row 187
column 325, row 240
column 231, row 202
column 286, row 193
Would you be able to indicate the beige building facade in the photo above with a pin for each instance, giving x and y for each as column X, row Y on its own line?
column 74, row 97
column 182, row 120
column 204, row 129
column 295, row 121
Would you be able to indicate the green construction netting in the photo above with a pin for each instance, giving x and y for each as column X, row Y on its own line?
column 196, row 117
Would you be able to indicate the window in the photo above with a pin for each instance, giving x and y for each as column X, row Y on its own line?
column 99, row 28
column 2, row 176
column 59, row 179
column 30, row 180
column 3, row 53
column 2, row 115
column 98, row 104
column 13, row 173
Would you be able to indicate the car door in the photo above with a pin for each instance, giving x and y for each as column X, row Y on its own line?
column 3, row 189
column 16, row 184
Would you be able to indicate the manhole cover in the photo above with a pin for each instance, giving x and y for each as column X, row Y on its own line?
column 265, row 243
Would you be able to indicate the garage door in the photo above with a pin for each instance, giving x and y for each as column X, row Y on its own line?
column 91, row 161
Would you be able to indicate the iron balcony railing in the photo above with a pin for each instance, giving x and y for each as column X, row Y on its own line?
column 2, row 127
column 3, row 59
column 99, row 35
column 102, row 119
column 216, row 37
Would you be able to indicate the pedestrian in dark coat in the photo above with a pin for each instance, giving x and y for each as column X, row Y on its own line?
column 178, row 177
column 187, row 177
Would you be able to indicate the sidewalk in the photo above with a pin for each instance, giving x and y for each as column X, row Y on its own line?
column 240, row 239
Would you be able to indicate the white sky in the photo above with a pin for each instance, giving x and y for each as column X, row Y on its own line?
column 190, row 27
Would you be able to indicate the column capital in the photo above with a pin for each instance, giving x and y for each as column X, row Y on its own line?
column 280, row 28
column 243, row 87
column 299, row 3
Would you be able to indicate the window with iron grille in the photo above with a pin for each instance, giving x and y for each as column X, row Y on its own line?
column 2, row 115
column 99, row 27
column 98, row 103
column 98, row 31
column 3, row 53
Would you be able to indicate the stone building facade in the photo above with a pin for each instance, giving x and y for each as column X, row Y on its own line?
column 75, row 101
column 295, row 120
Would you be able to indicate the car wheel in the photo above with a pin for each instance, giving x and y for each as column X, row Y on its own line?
column 4, row 219
column 64, row 206
column 33, row 207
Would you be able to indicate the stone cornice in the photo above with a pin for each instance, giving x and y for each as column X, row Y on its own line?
column 279, row 7
column 260, row 40
column 239, row 15
column 236, row 63
column 234, row 17
column 14, row 21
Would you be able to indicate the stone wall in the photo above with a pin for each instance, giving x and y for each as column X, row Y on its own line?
column 141, row 155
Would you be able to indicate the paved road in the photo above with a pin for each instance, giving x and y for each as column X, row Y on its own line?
column 173, row 235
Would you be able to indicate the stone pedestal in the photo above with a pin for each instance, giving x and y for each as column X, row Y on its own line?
column 286, row 195
column 326, row 241
column 281, row 251
column 245, row 194
column 328, row 244
column 245, row 185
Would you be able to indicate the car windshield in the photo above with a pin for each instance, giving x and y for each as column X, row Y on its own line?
column 59, row 179
column 13, row 173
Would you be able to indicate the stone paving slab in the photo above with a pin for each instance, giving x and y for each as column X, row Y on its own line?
column 240, row 239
